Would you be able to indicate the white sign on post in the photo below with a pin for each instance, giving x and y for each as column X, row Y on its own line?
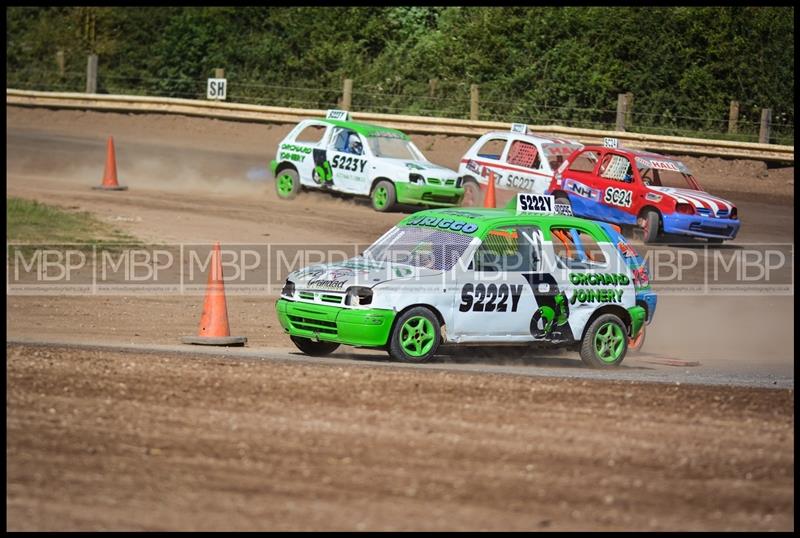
column 611, row 142
column 519, row 128
column 342, row 115
column 217, row 88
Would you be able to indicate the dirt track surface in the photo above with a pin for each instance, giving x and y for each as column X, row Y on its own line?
column 105, row 439
column 101, row 440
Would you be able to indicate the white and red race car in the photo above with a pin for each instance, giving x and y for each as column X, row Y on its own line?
column 520, row 162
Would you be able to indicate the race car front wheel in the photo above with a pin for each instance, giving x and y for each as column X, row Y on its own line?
column 287, row 184
column 605, row 342
column 416, row 336
column 315, row 349
column 649, row 223
column 472, row 194
column 383, row 196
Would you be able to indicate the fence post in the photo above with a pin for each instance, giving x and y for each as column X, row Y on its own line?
column 433, row 83
column 219, row 72
column 91, row 74
column 347, row 94
column 473, row 102
column 766, row 125
column 621, row 102
column 733, row 117
column 60, row 62
column 628, row 109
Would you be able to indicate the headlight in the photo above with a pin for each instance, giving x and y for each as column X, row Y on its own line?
column 288, row 289
column 358, row 296
column 734, row 214
column 416, row 178
column 685, row 209
column 459, row 181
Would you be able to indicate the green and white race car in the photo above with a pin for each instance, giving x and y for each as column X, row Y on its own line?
column 362, row 159
column 477, row 276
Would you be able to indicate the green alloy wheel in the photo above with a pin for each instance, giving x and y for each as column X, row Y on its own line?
column 383, row 196
column 287, row 184
column 605, row 342
column 416, row 336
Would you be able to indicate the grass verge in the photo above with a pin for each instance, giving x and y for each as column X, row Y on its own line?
column 32, row 223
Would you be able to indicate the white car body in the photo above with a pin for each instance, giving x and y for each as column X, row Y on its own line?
column 515, row 170
column 326, row 163
column 478, row 298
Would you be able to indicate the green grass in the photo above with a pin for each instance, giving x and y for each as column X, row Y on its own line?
column 31, row 222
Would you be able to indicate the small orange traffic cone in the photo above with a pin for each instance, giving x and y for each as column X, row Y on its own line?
column 214, row 329
column 488, row 199
column 110, row 174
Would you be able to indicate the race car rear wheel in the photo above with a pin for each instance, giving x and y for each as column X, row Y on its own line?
column 383, row 196
column 315, row 349
column 287, row 184
column 472, row 194
column 649, row 223
column 605, row 342
column 416, row 336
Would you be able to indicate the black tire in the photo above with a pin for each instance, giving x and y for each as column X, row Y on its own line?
column 400, row 332
column 649, row 224
column 472, row 194
column 563, row 199
column 589, row 352
column 315, row 349
column 715, row 241
column 281, row 178
column 391, row 196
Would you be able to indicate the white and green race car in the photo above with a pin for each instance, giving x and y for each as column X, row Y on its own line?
column 477, row 276
column 362, row 159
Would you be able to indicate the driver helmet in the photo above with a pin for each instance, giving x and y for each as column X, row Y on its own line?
column 354, row 144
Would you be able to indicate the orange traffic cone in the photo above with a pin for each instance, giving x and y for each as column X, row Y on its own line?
column 488, row 199
column 214, row 329
column 110, row 174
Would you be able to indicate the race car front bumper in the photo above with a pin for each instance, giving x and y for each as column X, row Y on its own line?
column 351, row 326
column 700, row 226
column 432, row 195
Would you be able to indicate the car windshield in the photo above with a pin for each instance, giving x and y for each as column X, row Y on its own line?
column 557, row 153
column 393, row 147
column 419, row 247
column 657, row 171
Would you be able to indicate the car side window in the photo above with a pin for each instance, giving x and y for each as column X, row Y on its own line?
column 347, row 141
column 576, row 248
column 509, row 248
column 492, row 148
column 616, row 167
column 311, row 134
column 584, row 162
column 524, row 154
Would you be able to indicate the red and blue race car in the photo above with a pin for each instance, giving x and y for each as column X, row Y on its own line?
column 654, row 192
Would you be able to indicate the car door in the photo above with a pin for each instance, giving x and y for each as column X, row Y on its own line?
column 587, row 277
column 615, row 181
column 349, row 167
column 580, row 182
column 495, row 301
column 527, row 170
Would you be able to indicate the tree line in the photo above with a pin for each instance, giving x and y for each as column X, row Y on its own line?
column 679, row 62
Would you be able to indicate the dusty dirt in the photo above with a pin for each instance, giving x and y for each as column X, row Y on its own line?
column 101, row 441
column 275, row 446
column 189, row 182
